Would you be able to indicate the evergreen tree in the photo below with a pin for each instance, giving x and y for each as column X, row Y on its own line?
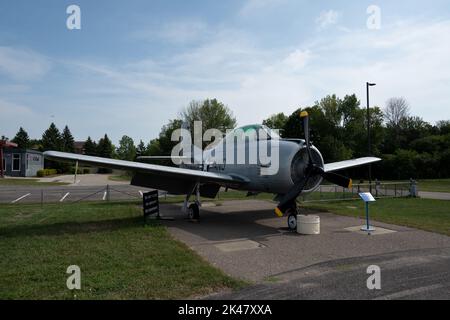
column 141, row 150
column 22, row 139
column 105, row 147
column 68, row 142
column 51, row 139
column 90, row 147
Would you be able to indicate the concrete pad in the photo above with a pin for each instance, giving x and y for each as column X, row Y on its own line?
column 377, row 231
column 286, row 251
column 238, row 245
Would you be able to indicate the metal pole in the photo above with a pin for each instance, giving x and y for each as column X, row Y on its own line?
column 367, row 216
column 1, row 162
column 76, row 170
column 368, row 137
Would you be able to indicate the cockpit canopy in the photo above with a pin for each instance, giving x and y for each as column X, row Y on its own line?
column 254, row 131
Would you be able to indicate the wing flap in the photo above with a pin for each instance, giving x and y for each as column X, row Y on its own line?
column 341, row 165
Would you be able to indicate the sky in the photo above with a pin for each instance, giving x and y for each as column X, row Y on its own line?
column 135, row 64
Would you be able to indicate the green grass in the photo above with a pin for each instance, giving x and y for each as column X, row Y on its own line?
column 425, row 214
column 119, row 256
column 28, row 182
column 434, row 185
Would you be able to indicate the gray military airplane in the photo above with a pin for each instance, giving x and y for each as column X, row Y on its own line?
column 301, row 170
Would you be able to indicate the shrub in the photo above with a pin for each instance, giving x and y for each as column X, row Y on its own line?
column 86, row 171
column 46, row 172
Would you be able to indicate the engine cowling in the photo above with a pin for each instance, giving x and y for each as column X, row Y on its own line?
column 299, row 164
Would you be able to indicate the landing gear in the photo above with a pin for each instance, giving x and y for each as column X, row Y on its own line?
column 292, row 218
column 193, row 211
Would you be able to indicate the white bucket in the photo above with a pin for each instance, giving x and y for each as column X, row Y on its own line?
column 308, row 224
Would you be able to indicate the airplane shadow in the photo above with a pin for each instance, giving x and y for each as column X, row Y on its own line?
column 229, row 225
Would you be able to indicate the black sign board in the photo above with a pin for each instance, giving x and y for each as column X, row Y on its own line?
column 150, row 203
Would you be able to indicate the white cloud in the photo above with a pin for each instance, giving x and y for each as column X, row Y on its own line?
column 20, row 64
column 298, row 59
column 327, row 18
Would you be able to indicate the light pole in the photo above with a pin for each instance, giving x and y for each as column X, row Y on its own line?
column 368, row 84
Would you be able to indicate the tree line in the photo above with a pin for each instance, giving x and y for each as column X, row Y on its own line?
column 409, row 146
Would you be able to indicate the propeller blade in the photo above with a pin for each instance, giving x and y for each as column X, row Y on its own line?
column 305, row 118
column 291, row 195
column 338, row 179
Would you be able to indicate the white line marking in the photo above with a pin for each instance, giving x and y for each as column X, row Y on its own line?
column 140, row 192
column 104, row 195
column 65, row 196
column 20, row 198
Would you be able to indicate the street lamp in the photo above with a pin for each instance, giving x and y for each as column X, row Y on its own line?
column 368, row 84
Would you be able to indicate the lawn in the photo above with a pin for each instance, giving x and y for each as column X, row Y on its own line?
column 119, row 256
column 434, row 185
column 425, row 214
column 28, row 182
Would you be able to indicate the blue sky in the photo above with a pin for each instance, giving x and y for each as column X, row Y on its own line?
column 135, row 64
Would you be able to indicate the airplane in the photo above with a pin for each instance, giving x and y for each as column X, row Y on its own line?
column 301, row 170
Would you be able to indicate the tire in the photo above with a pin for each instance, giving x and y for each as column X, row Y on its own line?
column 194, row 211
column 292, row 220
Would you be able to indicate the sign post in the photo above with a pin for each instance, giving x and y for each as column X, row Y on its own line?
column 150, row 205
column 367, row 197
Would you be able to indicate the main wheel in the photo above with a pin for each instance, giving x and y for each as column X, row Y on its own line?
column 194, row 211
column 292, row 219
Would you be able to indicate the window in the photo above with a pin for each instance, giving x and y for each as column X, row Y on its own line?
column 16, row 162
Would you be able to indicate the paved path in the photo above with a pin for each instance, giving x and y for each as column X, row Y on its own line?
column 246, row 240
column 434, row 195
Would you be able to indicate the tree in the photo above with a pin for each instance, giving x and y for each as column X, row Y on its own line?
column 68, row 142
column 443, row 127
column 276, row 121
column 141, row 150
column 22, row 139
column 126, row 149
column 212, row 113
column 51, row 139
column 105, row 147
column 90, row 147
column 396, row 110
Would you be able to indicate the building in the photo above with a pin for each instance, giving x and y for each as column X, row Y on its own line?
column 79, row 147
column 22, row 162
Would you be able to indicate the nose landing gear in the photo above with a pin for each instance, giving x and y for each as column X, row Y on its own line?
column 292, row 217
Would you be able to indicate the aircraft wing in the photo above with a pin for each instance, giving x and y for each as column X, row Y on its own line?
column 162, row 172
column 335, row 166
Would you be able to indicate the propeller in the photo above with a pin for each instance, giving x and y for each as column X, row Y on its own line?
column 311, row 169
